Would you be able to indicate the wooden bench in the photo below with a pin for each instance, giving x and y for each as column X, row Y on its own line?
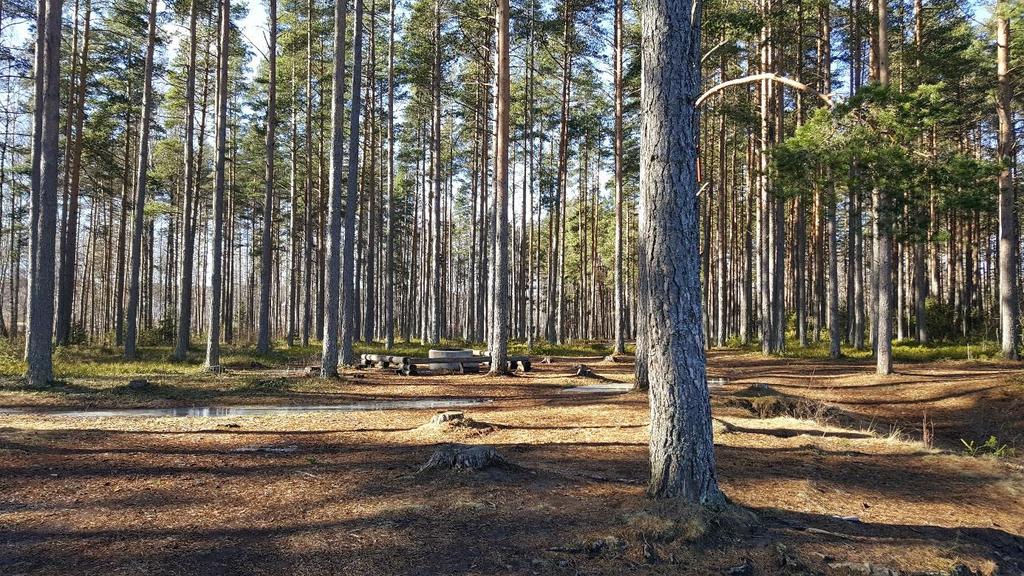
column 407, row 365
column 382, row 360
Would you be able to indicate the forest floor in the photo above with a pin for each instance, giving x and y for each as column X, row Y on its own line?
column 823, row 460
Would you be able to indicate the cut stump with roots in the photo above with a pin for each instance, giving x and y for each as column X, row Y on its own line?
column 463, row 457
column 453, row 423
column 584, row 371
column 453, row 417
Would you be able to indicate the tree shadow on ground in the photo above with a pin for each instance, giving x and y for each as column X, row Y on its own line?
column 339, row 505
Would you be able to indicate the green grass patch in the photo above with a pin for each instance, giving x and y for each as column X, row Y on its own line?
column 903, row 350
column 85, row 361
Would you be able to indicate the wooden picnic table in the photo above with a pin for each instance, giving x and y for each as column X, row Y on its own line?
column 407, row 365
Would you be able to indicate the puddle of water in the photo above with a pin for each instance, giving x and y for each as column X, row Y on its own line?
column 225, row 411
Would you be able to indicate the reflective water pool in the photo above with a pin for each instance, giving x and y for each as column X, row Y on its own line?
column 224, row 411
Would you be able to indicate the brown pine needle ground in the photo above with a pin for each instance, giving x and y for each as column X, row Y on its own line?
column 826, row 455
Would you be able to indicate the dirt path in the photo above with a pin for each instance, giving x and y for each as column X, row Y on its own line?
column 338, row 492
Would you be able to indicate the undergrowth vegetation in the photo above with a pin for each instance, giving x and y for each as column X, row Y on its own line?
column 903, row 350
column 991, row 447
column 84, row 361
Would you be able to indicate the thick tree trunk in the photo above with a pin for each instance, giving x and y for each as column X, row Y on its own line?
column 682, row 454
column 132, row 314
column 38, row 343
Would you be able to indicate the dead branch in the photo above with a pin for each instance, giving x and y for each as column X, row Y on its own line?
column 765, row 76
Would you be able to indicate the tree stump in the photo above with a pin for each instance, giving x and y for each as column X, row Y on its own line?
column 452, row 416
column 584, row 371
column 454, row 422
column 461, row 457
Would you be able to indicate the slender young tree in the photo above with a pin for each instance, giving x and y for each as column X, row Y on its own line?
column 389, row 263
column 883, row 219
column 141, row 170
column 498, row 347
column 348, row 277
column 69, row 233
column 188, row 227
column 1008, row 311
column 307, row 199
column 832, row 224
column 39, row 88
column 681, row 450
column 436, row 298
column 217, row 242
column 266, row 254
column 620, row 303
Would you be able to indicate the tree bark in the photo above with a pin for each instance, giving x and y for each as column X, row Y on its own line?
column 38, row 339
column 217, row 244
column 883, row 217
column 1008, row 311
column 682, row 454
column 498, row 346
column 620, row 314
column 348, row 249
column 308, row 208
column 35, row 176
column 335, row 212
column 131, row 315
column 266, row 253
column 389, row 264
column 293, row 220
column 188, row 234
column 69, row 242
column 436, row 298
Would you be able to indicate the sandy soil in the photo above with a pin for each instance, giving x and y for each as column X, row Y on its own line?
column 826, row 459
